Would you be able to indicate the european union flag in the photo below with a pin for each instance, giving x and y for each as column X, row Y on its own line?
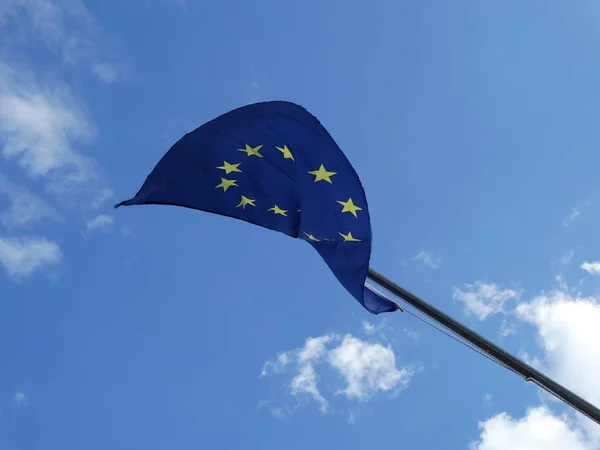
column 274, row 165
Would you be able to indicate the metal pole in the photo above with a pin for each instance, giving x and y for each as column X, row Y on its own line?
column 528, row 372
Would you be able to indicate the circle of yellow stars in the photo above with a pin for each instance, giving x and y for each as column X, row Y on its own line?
column 321, row 174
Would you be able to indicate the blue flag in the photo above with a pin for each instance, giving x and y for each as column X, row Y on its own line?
column 274, row 165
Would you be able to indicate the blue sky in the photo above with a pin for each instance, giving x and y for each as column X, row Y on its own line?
column 473, row 127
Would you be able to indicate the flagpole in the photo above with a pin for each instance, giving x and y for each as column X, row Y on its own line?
column 487, row 347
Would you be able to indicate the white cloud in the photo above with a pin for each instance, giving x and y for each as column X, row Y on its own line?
column 21, row 257
column 25, row 208
column 39, row 128
column 567, row 330
column 428, row 259
column 99, row 223
column 484, row 299
column 568, row 333
column 42, row 122
column 365, row 368
column 592, row 268
column 314, row 348
column 538, row 430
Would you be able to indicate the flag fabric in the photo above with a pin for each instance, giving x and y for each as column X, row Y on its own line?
column 274, row 165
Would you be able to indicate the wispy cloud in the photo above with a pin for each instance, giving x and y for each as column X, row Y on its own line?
column 376, row 331
column 66, row 28
column 506, row 329
column 101, row 197
column 487, row 399
column 567, row 257
column 411, row 334
column 101, row 222
column 126, row 232
column 20, row 400
column 283, row 359
column 44, row 122
column 39, row 128
column 21, row 257
column 254, row 91
column 428, row 259
column 305, row 382
column 366, row 368
column 573, row 215
column 484, row 299
column 106, row 73
column 277, row 412
column 368, row 328
column 25, row 208
column 592, row 268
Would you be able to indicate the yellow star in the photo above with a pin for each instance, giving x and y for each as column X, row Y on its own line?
column 228, row 168
column 277, row 210
column 311, row 237
column 349, row 238
column 226, row 184
column 251, row 150
column 246, row 201
column 322, row 174
column 286, row 152
column 350, row 207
